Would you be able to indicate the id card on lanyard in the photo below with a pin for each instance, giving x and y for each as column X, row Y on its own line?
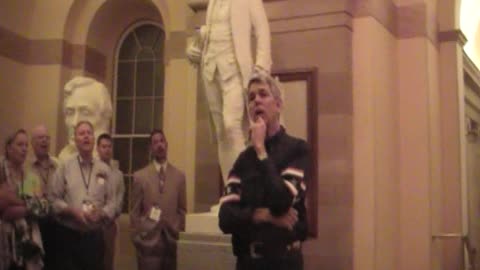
column 155, row 213
column 87, row 206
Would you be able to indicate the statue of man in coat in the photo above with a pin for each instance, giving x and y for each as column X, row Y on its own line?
column 223, row 49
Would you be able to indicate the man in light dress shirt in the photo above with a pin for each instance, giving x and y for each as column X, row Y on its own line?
column 44, row 167
column 43, row 164
column 105, row 153
column 82, row 195
column 158, row 209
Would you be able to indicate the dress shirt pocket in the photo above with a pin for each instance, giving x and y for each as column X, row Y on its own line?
column 99, row 191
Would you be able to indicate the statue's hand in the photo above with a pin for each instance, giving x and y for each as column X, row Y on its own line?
column 194, row 49
column 194, row 54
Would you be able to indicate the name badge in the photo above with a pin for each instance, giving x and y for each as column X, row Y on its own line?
column 101, row 181
column 87, row 206
column 155, row 214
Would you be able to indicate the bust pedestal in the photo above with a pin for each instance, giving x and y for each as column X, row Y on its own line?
column 203, row 245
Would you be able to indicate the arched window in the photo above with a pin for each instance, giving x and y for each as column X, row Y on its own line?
column 138, row 98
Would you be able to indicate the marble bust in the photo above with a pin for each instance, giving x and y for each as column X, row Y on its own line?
column 85, row 99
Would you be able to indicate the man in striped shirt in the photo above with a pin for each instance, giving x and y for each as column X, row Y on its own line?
column 263, row 206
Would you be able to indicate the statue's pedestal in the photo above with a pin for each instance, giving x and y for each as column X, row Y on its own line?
column 202, row 223
column 203, row 245
column 205, row 251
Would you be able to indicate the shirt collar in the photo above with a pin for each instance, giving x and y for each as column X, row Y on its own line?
column 84, row 162
column 37, row 162
column 159, row 165
column 276, row 136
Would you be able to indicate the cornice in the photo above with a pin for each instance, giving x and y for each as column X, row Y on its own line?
column 452, row 35
column 471, row 74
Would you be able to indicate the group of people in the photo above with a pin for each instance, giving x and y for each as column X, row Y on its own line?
column 62, row 215
column 44, row 220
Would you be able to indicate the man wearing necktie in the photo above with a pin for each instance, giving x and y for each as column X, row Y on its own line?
column 158, row 208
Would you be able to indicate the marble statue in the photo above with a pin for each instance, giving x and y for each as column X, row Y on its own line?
column 223, row 50
column 85, row 99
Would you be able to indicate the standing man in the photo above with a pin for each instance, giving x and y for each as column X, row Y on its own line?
column 224, row 51
column 105, row 153
column 82, row 196
column 158, row 208
column 44, row 166
column 264, row 202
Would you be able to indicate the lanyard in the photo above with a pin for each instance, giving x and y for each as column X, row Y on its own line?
column 22, row 186
column 86, row 182
column 40, row 172
column 8, row 177
column 44, row 177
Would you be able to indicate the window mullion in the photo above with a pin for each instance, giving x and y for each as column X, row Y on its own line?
column 136, row 137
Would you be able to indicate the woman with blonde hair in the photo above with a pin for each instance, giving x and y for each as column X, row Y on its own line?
column 21, row 204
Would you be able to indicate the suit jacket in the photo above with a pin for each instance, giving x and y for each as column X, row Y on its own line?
column 149, row 237
column 245, row 16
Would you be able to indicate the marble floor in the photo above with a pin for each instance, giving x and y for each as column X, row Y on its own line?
column 125, row 253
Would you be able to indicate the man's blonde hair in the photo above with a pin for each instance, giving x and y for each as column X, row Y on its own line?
column 273, row 83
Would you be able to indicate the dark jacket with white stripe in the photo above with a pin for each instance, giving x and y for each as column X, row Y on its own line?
column 277, row 182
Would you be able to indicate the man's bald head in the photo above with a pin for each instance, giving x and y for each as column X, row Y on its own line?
column 40, row 141
column 39, row 130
